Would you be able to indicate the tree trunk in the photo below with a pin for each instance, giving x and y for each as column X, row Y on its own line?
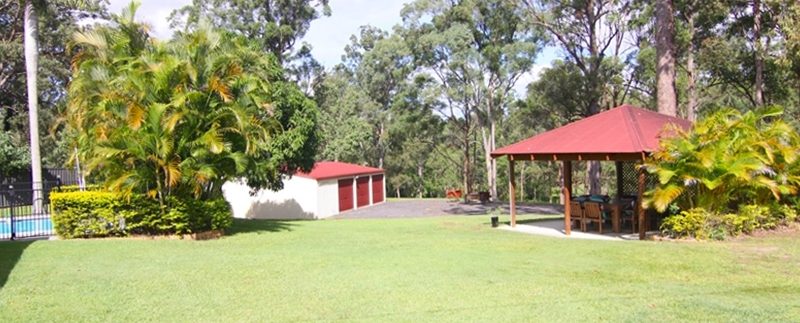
column 31, row 68
column 558, row 184
column 420, row 172
column 759, row 58
column 466, row 166
column 691, row 106
column 522, row 181
column 489, row 146
column 487, row 157
column 665, row 58
column 595, row 186
column 381, row 151
column 492, row 137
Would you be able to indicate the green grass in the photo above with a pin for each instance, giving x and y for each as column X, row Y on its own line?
column 431, row 269
column 22, row 210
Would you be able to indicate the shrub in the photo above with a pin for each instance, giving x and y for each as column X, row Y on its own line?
column 76, row 188
column 701, row 224
column 85, row 214
column 102, row 214
column 786, row 212
column 690, row 223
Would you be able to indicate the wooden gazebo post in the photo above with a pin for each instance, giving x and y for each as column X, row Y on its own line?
column 567, row 190
column 512, row 200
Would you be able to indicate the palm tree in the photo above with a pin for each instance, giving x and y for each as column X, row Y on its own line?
column 31, row 66
column 183, row 117
column 31, row 47
column 729, row 158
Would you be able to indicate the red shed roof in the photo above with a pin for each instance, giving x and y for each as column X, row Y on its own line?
column 331, row 169
column 622, row 130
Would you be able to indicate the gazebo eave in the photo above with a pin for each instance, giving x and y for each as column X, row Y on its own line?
column 595, row 156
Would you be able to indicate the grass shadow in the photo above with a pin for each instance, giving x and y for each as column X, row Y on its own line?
column 10, row 253
column 472, row 208
column 241, row 226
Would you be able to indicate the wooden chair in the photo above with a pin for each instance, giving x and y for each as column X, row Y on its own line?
column 628, row 213
column 592, row 213
column 576, row 214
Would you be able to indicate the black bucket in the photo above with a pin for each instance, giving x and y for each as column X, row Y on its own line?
column 495, row 222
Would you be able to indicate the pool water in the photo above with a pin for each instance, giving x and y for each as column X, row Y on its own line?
column 26, row 227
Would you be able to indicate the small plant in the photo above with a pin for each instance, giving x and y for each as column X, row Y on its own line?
column 690, row 223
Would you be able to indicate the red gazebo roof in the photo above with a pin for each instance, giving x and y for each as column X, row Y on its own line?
column 331, row 169
column 625, row 132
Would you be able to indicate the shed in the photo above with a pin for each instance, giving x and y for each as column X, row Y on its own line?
column 328, row 189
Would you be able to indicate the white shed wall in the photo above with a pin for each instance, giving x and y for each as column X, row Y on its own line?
column 297, row 200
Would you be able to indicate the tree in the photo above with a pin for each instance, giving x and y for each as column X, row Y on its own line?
column 31, row 69
column 665, row 56
column 443, row 53
column 727, row 159
column 344, row 129
column 57, row 21
column 482, row 48
column 275, row 25
column 759, row 60
column 184, row 117
column 13, row 158
column 31, row 45
column 587, row 32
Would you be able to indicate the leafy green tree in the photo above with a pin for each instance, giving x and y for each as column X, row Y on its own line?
column 13, row 157
column 477, row 51
column 185, row 116
column 275, row 25
column 588, row 32
column 343, row 126
column 56, row 21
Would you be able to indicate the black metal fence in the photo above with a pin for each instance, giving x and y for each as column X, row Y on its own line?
column 25, row 210
column 67, row 176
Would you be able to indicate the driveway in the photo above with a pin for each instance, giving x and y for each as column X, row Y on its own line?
column 414, row 208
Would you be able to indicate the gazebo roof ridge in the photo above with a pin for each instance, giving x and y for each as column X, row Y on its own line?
column 625, row 130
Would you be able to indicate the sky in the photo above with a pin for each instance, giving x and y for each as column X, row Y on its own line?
column 327, row 35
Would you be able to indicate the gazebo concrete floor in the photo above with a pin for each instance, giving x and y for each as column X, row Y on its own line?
column 555, row 228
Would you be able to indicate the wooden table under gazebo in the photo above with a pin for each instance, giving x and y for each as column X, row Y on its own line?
column 622, row 134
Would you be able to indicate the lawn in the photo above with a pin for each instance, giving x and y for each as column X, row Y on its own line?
column 431, row 269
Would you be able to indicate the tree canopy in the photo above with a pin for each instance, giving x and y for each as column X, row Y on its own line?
column 184, row 116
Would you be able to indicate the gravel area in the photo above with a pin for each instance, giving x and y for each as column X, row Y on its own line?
column 414, row 208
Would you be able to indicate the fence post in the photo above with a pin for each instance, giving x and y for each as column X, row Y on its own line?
column 11, row 211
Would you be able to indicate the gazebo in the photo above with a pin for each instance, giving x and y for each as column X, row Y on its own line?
column 625, row 134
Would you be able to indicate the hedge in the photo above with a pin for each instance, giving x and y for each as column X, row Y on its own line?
column 91, row 214
column 702, row 224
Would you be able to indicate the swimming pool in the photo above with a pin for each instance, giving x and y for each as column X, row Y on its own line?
column 28, row 226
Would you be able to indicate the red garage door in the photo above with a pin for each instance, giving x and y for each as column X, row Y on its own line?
column 377, row 188
column 362, row 191
column 345, row 194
